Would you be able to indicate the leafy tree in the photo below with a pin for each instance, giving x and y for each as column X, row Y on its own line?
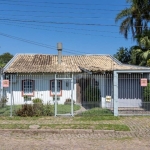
column 141, row 54
column 146, row 93
column 135, row 55
column 148, row 63
column 123, row 55
column 5, row 58
column 134, row 18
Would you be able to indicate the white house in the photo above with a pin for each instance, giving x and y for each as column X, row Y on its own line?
column 33, row 76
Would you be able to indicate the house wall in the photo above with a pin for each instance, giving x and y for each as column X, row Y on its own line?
column 42, row 89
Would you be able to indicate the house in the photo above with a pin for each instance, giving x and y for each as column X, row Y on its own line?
column 35, row 75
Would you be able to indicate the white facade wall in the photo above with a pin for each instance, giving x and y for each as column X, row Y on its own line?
column 42, row 89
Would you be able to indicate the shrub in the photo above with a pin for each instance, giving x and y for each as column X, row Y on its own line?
column 25, row 111
column 37, row 109
column 37, row 101
column 3, row 101
column 27, row 98
column 48, row 110
column 68, row 101
column 92, row 94
column 146, row 93
column 37, row 106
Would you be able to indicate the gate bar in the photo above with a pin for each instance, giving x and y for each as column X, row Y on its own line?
column 11, row 91
column 72, row 95
column 115, row 93
column 55, row 96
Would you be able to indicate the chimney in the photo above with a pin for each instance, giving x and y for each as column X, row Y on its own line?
column 59, row 48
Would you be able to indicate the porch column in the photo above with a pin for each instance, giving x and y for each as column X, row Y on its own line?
column 115, row 93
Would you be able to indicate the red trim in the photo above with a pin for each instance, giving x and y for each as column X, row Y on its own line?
column 60, row 88
column 33, row 89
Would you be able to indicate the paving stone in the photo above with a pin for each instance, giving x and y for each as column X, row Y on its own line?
column 76, row 131
column 34, row 127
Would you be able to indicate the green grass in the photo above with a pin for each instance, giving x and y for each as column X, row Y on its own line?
column 14, row 126
column 96, row 114
column 116, row 127
column 96, row 118
column 5, row 111
column 62, row 109
column 91, row 119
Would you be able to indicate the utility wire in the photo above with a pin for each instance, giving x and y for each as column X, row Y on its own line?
column 39, row 44
column 36, row 25
column 66, row 31
column 52, row 12
column 63, row 3
column 59, row 7
column 48, row 16
column 55, row 12
column 61, row 23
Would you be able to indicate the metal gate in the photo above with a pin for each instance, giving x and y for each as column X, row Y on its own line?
column 67, row 78
column 132, row 93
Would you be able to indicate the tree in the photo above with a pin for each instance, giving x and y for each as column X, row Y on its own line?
column 135, row 58
column 123, row 55
column 134, row 18
column 5, row 58
column 141, row 54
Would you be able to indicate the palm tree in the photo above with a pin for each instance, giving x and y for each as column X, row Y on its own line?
column 140, row 55
column 134, row 18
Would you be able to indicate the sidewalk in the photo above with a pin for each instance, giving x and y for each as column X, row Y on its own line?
column 139, row 127
column 77, row 139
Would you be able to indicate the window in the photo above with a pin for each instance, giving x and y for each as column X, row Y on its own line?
column 28, row 87
column 52, row 87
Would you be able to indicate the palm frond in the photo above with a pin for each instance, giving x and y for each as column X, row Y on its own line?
column 124, row 13
column 125, row 26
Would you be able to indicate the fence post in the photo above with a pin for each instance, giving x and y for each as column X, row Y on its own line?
column 115, row 93
column 11, row 92
column 72, row 95
column 1, row 86
column 55, row 96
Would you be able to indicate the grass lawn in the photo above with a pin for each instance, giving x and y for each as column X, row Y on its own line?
column 61, row 109
column 5, row 111
column 96, row 118
column 116, row 127
column 96, row 114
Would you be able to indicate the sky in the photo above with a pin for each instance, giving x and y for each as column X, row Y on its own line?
column 82, row 26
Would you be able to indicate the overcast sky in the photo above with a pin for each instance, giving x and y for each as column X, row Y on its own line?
column 83, row 26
